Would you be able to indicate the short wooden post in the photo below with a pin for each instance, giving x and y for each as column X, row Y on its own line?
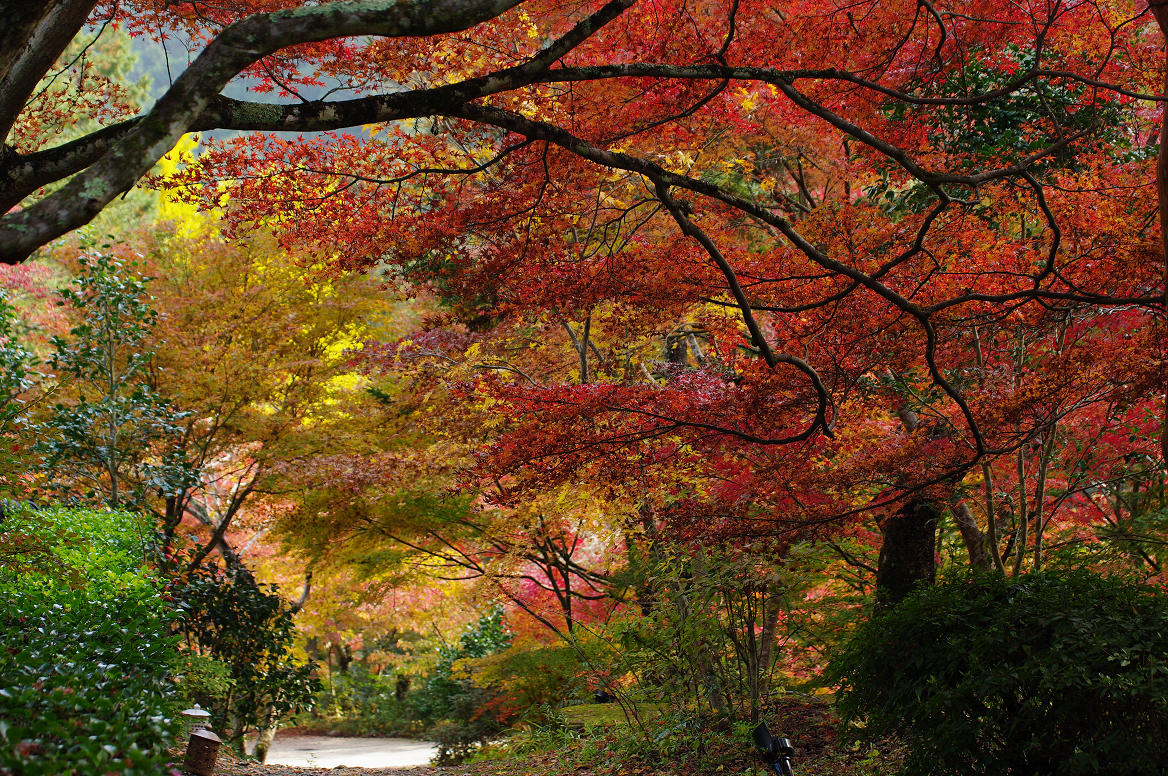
column 203, row 748
column 202, row 752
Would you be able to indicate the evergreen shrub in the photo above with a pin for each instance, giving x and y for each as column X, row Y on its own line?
column 1049, row 674
column 85, row 649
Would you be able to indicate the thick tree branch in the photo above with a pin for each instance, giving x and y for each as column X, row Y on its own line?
column 20, row 176
column 176, row 112
column 32, row 36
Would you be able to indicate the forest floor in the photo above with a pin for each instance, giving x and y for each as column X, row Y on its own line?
column 534, row 764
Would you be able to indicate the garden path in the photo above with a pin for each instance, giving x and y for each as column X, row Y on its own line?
column 334, row 751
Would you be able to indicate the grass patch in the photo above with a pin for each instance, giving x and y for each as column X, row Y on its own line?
column 587, row 716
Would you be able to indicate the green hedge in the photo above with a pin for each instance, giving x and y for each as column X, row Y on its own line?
column 85, row 648
column 1048, row 674
column 74, row 546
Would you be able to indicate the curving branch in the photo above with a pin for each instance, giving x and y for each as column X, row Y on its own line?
column 109, row 161
column 688, row 227
column 662, row 177
column 195, row 91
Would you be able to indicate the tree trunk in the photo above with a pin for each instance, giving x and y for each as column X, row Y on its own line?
column 771, row 612
column 1159, row 10
column 264, row 742
column 344, row 656
column 644, row 586
column 773, row 609
column 975, row 540
column 907, row 556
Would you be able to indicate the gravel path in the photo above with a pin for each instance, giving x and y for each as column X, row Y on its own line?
column 335, row 751
column 297, row 755
column 281, row 770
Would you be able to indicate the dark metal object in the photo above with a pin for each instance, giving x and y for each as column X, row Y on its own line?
column 202, row 752
column 776, row 753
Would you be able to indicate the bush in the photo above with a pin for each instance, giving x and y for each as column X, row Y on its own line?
column 535, row 678
column 1048, row 674
column 524, row 682
column 203, row 681
column 359, row 702
column 613, row 748
column 240, row 636
column 85, row 684
column 466, row 716
column 74, row 545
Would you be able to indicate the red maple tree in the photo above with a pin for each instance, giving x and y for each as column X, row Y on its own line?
column 895, row 248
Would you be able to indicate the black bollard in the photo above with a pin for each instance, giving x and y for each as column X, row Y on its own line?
column 775, row 753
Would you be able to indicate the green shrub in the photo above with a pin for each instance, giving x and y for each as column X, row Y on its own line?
column 84, row 683
column 104, row 541
column 534, row 678
column 1041, row 675
column 359, row 702
column 85, row 650
column 465, row 716
column 243, row 634
column 17, row 377
column 613, row 747
column 74, row 545
column 203, row 680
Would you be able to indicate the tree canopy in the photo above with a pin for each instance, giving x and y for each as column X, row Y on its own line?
column 892, row 245
column 669, row 333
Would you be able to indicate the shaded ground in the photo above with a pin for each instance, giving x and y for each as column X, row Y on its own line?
column 534, row 767
column 229, row 766
column 280, row 770
column 823, row 748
